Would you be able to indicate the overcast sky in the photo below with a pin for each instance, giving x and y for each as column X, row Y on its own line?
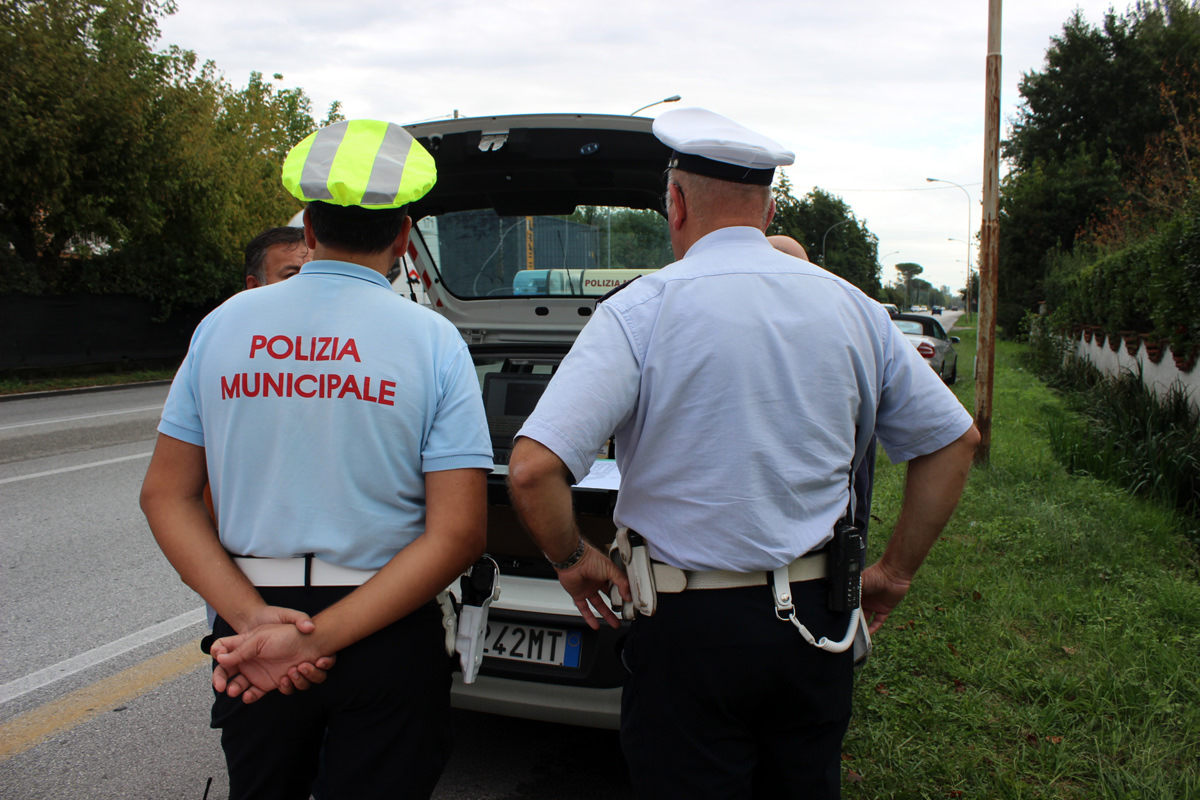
column 873, row 96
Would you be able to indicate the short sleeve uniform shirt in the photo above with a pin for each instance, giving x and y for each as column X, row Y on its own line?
column 321, row 403
column 738, row 381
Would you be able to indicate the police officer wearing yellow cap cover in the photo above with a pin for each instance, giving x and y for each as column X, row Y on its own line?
column 743, row 386
column 342, row 429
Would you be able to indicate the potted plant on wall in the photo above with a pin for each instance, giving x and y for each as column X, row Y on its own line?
column 1133, row 341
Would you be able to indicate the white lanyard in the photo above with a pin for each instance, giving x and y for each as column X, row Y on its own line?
column 786, row 611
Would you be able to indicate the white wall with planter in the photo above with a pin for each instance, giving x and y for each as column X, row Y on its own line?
column 1159, row 377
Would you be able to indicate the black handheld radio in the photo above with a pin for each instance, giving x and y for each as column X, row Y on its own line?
column 846, row 553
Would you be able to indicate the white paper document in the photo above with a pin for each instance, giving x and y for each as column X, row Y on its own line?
column 603, row 475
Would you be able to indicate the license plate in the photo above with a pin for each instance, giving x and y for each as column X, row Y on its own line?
column 531, row 643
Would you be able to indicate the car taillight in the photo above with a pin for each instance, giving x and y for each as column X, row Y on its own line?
column 925, row 349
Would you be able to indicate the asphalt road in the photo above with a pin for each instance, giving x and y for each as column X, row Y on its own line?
column 950, row 318
column 103, row 690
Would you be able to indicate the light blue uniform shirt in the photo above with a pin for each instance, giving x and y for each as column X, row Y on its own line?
column 738, row 381
column 321, row 403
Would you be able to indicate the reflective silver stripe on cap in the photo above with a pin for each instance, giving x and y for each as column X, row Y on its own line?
column 314, row 179
column 386, row 172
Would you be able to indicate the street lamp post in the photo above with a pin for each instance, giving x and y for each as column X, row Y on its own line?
column 672, row 99
column 827, row 230
column 967, row 290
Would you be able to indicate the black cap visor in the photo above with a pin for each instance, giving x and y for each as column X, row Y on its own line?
column 721, row 170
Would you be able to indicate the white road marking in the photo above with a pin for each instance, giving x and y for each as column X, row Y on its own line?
column 60, row 471
column 81, row 416
column 64, row 669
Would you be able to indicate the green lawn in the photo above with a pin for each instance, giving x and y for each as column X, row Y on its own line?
column 1051, row 644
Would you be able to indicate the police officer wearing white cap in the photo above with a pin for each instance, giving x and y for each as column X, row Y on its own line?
column 743, row 386
column 343, row 432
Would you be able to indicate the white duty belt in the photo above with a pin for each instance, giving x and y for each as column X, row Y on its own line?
column 649, row 578
column 302, row 571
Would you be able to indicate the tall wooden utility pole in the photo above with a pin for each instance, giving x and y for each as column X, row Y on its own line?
column 989, row 241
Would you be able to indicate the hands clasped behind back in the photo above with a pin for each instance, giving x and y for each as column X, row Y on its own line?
column 277, row 652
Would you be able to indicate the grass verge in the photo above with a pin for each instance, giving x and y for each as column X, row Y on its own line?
column 48, row 380
column 1050, row 647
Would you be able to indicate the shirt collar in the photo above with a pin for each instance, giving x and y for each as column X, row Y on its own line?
column 740, row 234
column 344, row 269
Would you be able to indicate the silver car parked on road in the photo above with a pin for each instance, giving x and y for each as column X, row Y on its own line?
column 927, row 335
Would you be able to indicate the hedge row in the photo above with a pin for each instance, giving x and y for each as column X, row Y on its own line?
column 1151, row 287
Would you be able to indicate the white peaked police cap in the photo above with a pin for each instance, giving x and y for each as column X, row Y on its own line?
column 709, row 144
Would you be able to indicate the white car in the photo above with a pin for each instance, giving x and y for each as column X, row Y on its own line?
column 927, row 335
column 532, row 220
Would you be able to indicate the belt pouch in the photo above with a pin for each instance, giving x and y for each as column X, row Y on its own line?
column 478, row 587
column 636, row 557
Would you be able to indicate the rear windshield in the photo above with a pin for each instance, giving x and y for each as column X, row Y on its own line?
column 480, row 254
column 923, row 327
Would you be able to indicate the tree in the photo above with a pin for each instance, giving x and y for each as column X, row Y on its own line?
column 829, row 231
column 125, row 170
column 908, row 270
column 1098, row 88
column 1044, row 209
column 921, row 292
column 79, row 82
column 894, row 294
column 1160, row 181
column 629, row 238
column 1081, row 136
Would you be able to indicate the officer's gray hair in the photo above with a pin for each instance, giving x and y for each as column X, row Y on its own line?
column 710, row 193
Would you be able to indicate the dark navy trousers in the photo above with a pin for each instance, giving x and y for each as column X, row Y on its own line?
column 726, row 701
column 382, row 716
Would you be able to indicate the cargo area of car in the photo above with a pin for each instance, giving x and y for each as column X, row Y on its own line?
column 534, row 618
column 532, row 221
column 512, row 547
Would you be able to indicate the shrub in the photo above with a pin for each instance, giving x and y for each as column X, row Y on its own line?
column 1148, row 444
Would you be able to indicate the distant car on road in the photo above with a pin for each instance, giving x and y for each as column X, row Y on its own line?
column 927, row 335
column 936, row 310
column 892, row 309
